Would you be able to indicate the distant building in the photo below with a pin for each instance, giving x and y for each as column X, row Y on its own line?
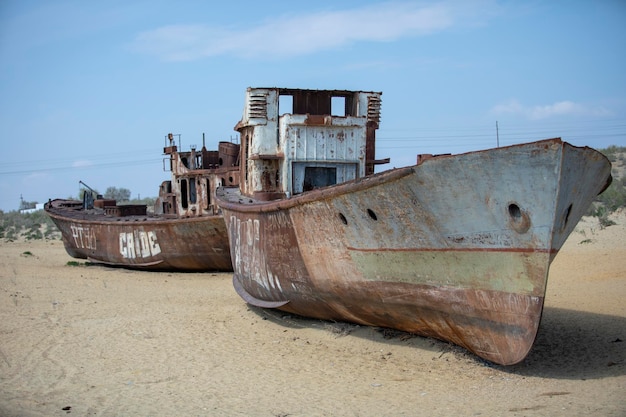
column 38, row 206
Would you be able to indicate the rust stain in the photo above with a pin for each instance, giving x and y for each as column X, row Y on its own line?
column 184, row 230
column 446, row 248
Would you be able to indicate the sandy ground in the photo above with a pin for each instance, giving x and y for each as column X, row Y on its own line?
column 96, row 341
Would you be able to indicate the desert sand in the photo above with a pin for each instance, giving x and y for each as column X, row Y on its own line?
column 96, row 341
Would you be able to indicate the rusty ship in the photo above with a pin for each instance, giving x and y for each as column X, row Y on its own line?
column 184, row 231
column 455, row 247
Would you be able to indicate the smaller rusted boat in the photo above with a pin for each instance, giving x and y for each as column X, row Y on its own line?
column 455, row 247
column 185, row 230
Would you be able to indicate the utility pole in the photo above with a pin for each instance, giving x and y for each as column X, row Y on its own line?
column 497, row 136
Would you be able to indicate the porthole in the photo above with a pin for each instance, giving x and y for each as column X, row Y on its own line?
column 566, row 217
column 343, row 218
column 372, row 214
column 518, row 218
column 514, row 211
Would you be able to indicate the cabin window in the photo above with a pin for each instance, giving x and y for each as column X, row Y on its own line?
column 184, row 201
column 310, row 175
column 320, row 103
column 316, row 177
column 338, row 106
column 285, row 105
column 192, row 191
column 208, row 192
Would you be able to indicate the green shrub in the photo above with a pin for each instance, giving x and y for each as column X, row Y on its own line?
column 36, row 225
column 613, row 197
column 614, row 152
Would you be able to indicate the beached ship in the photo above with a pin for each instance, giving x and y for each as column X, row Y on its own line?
column 185, row 231
column 455, row 247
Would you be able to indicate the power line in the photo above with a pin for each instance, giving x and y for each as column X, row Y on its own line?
column 65, row 160
column 127, row 164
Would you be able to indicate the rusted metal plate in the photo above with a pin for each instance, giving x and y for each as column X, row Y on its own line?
column 184, row 232
column 419, row 253
column 144, row 242
column 457, row 247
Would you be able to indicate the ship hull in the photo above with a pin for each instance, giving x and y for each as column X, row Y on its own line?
column 457, row 247
column 144, row 242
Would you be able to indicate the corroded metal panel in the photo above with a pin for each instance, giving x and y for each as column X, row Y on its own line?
column 192, row 244
column 457, row 247
column 185, row 230
column 275, row 141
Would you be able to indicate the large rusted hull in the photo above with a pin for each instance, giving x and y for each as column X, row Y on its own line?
column 457, row 247
column 146, row 242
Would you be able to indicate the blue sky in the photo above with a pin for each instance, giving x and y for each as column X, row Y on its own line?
column 90, row 89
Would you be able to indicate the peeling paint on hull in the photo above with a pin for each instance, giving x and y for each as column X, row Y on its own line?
column 457, row 247
column 194, row 244
column 185, row 230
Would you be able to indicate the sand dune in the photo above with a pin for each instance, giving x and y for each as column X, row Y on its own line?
column 96, row 341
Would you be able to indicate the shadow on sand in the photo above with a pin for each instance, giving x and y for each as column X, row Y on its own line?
column 570, row 344
column 576, row 345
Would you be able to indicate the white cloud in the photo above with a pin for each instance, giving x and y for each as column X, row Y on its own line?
column 82, row 163
column 36, row 177
column 556, row 109
column 304, row 34
column 539, row 112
